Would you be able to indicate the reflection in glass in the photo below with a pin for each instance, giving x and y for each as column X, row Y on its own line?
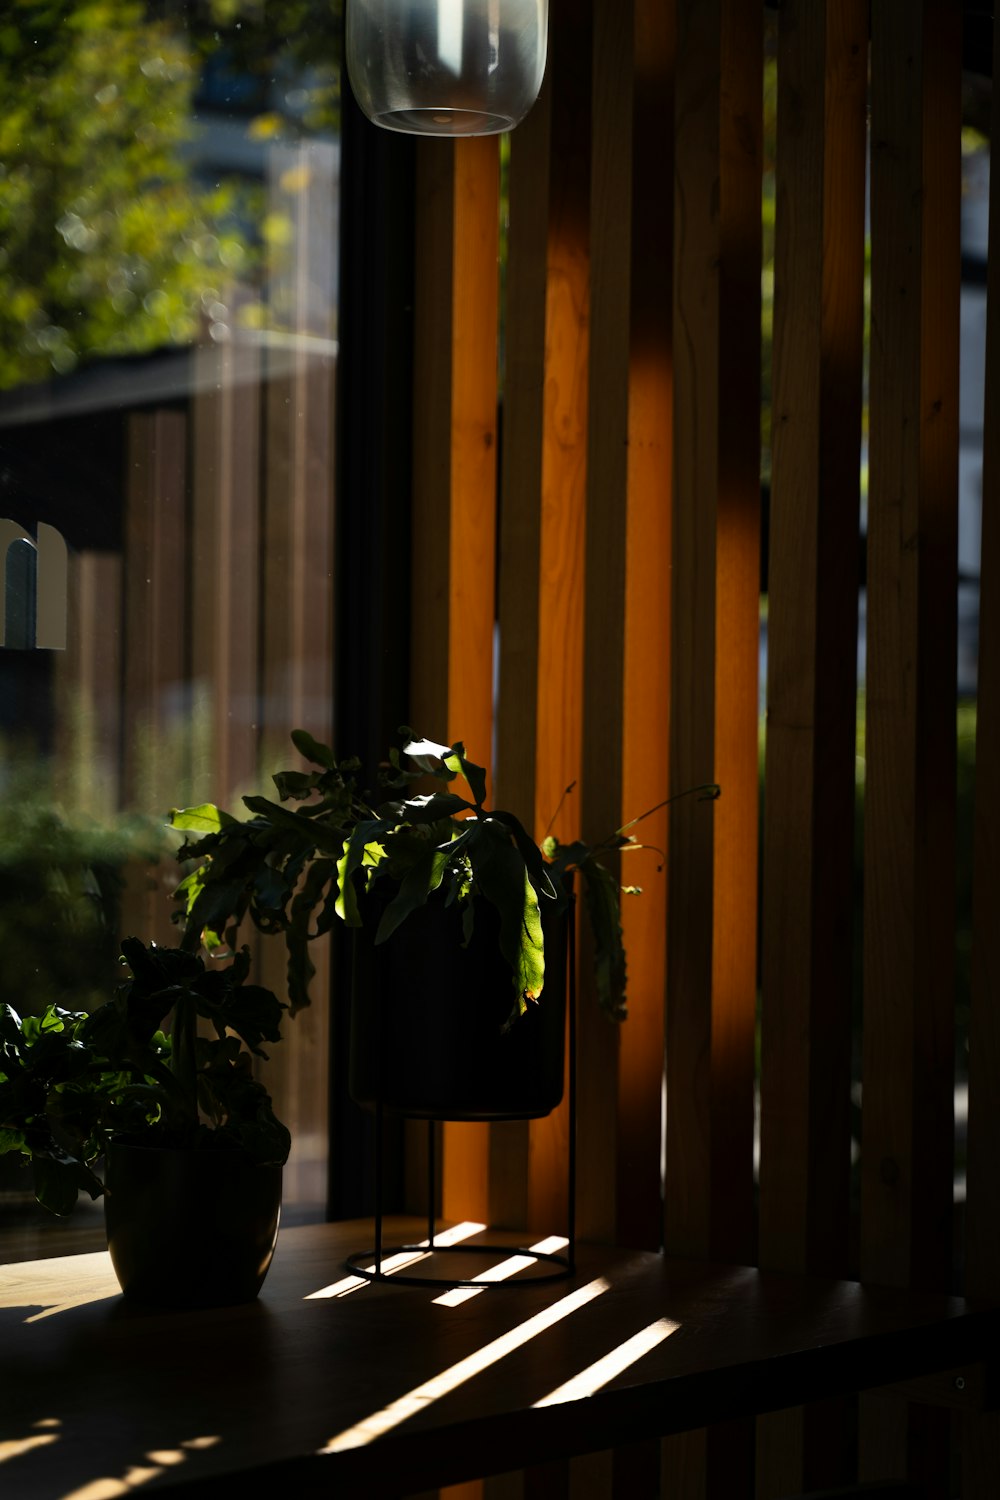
column 169, row 201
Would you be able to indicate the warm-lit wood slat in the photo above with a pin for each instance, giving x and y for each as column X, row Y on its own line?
column 519, row 536
column 646, row 635
column 604, row 588
column 564, row 396
column 692, row 747
column 737, row 611
column 454, row 500
column 712, row 929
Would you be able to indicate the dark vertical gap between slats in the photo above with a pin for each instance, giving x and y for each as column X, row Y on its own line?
column 981, row 1435
column 908, row 1074
column 806, row 1014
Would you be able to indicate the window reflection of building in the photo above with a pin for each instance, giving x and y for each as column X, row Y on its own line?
column 194, row 488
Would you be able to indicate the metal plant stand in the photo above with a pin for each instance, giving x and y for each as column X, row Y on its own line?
column 370, row 1264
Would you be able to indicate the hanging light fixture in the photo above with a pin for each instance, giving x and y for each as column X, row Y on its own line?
column 446, row 67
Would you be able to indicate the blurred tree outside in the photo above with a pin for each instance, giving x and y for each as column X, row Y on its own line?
column 110, row 243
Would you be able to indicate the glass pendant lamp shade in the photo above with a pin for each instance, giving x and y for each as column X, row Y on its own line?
column 446, row 67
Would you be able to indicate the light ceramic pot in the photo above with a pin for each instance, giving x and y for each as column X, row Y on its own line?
column 190, row 1228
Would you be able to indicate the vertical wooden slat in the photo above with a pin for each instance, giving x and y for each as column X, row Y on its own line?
column 811, row 638
column 543, row 512
column 455, row 499
column 981, row 1457
column 806, row 1011
column 812, row 630
column 908, row 1063
column 711, row 1000
column 910, row 727
column 711, row 958
column 737, row 609
column 296, row 661
column 692, row 750
column 604, row 581
column 519, row 543
column 646, row 643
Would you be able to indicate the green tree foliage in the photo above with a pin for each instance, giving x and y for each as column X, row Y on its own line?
column 106, row 244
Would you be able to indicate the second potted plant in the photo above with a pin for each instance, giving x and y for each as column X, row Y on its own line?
column 192, row 1153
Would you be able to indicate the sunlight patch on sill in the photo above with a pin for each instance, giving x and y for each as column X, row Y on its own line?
column 134, row 1478
column 604, row 1370
column 69, row 1304
column 390, row 1263
column 42, row 1436
column 502, row 1271
column 449, row 1380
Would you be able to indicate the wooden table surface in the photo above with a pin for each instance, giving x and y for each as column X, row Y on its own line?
column 337, row 1388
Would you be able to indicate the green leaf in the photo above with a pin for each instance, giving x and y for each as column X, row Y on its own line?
column 10, row 1140
column 364, row 836
column 530, row 853
column 474, row 775
column 313, row 750
column 58, row 1180
column 428, row 755
column 416, row 886
column 307, row 829
column 295, row 784
column 503, row 880
column 205, row 818
column 433, row 807
column 601, row 895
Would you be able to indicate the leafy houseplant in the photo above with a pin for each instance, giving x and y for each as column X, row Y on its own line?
column 166, row 1110
column 296, row 869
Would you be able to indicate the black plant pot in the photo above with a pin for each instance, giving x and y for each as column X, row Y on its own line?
column 427, row 1019
column 190, row 1228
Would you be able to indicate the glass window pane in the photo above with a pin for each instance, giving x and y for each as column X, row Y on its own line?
column 169, row 206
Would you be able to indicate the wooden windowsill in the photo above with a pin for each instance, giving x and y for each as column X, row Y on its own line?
column 381, row 1389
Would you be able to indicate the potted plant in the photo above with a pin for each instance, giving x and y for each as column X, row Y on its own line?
column 459, row 915
column 191, row 1148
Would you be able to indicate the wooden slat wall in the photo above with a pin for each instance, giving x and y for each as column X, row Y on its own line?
column 627, row 605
